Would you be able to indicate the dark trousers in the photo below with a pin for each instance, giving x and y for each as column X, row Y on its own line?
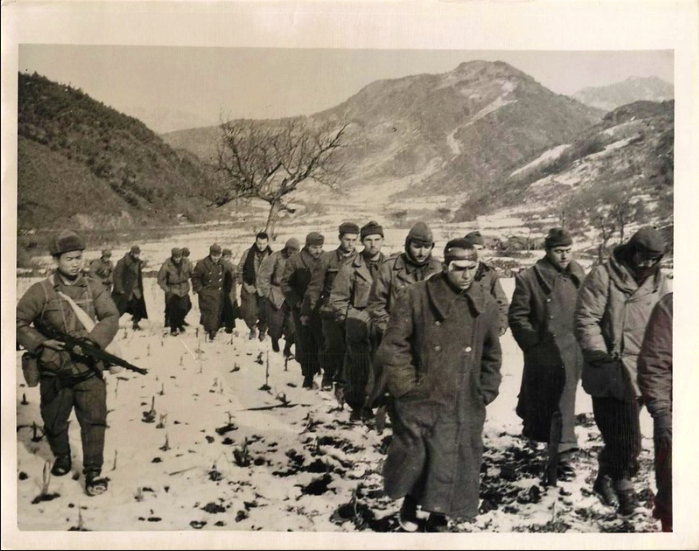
column 175, row 310
column 280, row 321
column 358, row 359
column 663, row 478
column 619, row 423
column 308, row 342
column 333, row 352
column 253, row 310
column 89, row 398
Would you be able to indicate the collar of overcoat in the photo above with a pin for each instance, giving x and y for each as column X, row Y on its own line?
column 442, row 296
column 361, row 267
column 547, row 273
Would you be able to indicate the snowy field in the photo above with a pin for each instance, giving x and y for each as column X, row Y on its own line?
column 221, row 436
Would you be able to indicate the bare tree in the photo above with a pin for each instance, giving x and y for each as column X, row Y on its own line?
column 268, row 161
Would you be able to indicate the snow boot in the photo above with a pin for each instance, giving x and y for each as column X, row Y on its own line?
column 94, row 484
column 437, row 523
column 604, row 490
column 407, row 518
column 629, row 505
column 61, row 466
column 275, row 345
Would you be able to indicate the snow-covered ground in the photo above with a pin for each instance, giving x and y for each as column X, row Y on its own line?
column 201, row 444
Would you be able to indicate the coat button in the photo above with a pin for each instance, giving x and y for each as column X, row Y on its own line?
column 468, row 349
column 437, row 323
column 548, row 300
column 438, row 348
column 550, row 317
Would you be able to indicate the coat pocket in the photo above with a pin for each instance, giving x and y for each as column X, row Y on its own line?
column 52, row 360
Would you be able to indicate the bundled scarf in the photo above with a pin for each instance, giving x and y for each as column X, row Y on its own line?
column 249, row 266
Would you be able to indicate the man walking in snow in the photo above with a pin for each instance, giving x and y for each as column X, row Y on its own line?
column 613, row 308
column 394, row 276
column 231, row 312
column 207, row 282
column 251, row 301
column 655, row 381
column 348, row 300
column 294, row 283
column 102, row 268
column 441, row 355
column 128, row 287
column 317, row 297
column 279, row 319
column 173, row 279
column 541, row 320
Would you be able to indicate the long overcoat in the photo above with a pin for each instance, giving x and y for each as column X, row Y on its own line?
column 128, row 277
column 441, row 353
column 208, row 283
column 541, row 321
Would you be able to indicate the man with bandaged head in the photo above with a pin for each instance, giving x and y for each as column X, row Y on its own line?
column 441, row 355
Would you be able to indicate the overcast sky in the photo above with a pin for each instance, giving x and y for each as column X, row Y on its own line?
column 271, row 83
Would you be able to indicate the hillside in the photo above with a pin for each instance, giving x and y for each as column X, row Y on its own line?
column 625, row 160
column 83, row 163
column 628, row 91
column 438, row 134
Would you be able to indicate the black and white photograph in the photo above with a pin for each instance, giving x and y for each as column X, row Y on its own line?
column 349, row 287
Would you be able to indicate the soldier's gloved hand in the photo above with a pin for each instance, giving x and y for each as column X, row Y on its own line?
column 503, row 330
column 599, row 358
column 305, row 320
column 53, row 344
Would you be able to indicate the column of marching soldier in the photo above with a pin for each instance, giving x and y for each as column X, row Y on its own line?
column 410, row 335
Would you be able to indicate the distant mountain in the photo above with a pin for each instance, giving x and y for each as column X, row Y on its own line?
column 441, row 134
column 163, row 120
column 628, row 157
column 630, row 90
column 85, row 164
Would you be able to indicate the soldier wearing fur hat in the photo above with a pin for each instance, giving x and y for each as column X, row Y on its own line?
column 348, row 300
column 128, row 287
column 488, row 278
column 317, row 297
column 441, row 355
column 294, row 284
column 173, row 279
column 269, row 279
column 541, row 321
column 208, row 282
column 68, row 381
column 102, row 268
column 613, row 308
column 394, row 276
